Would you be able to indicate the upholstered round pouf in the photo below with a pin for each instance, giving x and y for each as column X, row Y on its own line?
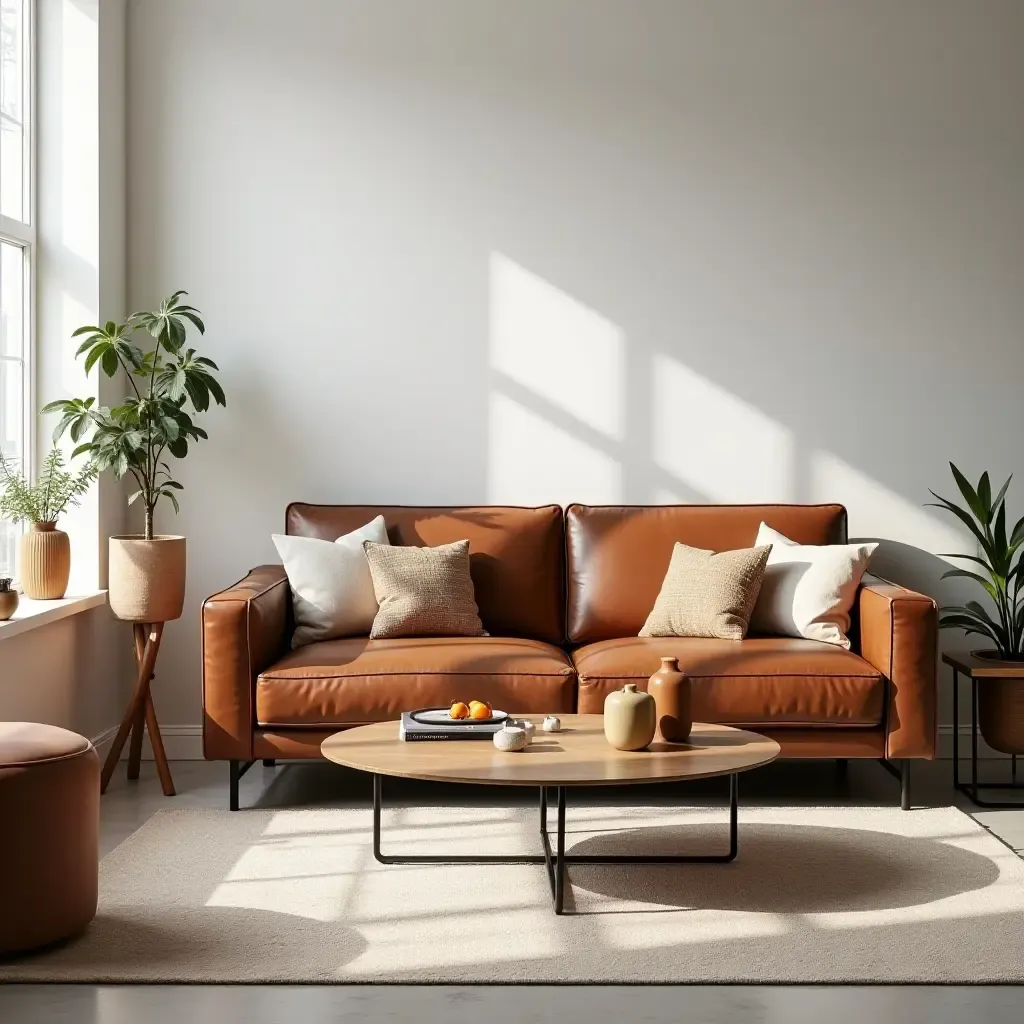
column 49, row 850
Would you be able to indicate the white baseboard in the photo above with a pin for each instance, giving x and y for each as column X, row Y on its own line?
column 182, row 743
column 185, row 743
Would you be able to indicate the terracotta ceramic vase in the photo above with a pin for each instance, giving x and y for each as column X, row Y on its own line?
column 146, row 581
column 45, row 562
column 629, row 718
column 1001, row 709
column 8, row 604
column 671, row 692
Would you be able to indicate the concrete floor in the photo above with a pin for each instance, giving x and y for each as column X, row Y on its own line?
column 128, row 805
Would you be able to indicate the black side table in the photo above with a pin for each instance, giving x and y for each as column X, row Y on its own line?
column 978, row 670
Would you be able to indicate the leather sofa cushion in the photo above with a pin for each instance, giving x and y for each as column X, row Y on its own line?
column 777, row 681
column 356, row 680
column 618, row 555
column 516, row 555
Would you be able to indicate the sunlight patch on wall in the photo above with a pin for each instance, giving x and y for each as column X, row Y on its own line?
column 555, row 346
column 79, row 116
column 533, row 462
column 714, row 442
column 876, row 511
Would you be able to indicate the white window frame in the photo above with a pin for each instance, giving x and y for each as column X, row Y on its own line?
column 22, row 233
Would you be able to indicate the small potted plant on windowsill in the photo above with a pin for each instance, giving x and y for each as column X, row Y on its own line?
column 8, row 599
column 1000, row 702
column 168, row 383
column 44, row 551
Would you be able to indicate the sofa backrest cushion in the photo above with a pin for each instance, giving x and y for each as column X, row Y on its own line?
column 516, row 555
column 618, row 555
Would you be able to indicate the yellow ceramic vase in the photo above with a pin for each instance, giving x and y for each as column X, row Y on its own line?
column 629, row 718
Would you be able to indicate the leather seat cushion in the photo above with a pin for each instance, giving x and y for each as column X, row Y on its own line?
column 777, row 681
column 357, row 680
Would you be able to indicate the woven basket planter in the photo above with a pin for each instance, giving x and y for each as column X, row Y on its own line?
column 147, row 578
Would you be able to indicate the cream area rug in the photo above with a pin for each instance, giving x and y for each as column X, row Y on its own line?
column 816, row 895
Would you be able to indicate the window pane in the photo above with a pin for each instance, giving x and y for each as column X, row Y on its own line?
column 12, row 300
column 9, row 534
column 11, row 412
column 12, row 109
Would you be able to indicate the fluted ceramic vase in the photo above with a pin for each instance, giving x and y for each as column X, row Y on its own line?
column 671, row 692
column 629, row 718
column 45, row 556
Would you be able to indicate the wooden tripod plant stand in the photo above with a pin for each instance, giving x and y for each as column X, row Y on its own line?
column 141, row 714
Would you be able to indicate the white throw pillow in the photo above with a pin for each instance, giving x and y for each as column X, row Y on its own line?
column 808, row 590
column 332, row 590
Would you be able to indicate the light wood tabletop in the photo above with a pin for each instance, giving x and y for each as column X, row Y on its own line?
column 579, row 755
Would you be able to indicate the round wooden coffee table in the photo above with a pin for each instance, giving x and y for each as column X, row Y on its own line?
column 579, row 755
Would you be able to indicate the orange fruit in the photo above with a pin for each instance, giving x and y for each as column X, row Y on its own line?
column 478, row 709
column 458, row 710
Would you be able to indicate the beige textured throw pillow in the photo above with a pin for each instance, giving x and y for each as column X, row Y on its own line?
column 423, row 591
column 707, row 593
column 809, row 589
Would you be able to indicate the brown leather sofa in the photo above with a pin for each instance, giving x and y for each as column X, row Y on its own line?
column 563, row 595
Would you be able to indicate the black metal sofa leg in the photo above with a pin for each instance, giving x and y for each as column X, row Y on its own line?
column 905, row 784
column 236, row 769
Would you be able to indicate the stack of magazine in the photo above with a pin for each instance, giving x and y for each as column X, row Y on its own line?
column 434, row 724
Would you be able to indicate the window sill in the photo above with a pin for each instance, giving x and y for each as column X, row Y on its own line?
column 33, row 614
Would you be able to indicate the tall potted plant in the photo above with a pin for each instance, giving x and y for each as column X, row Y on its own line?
column 1001, row 576
column 169, row 385
column 44, row 551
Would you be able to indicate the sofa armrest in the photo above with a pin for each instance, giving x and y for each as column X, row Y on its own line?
column 899, row 637
column 244, row 631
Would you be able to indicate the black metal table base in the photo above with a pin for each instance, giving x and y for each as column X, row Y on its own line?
column 970, row 789
column 556, row 860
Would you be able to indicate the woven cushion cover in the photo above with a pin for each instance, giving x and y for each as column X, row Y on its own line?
column 423, row 591
column 707, row 593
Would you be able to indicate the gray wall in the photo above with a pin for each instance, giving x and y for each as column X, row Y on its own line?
column 471, row 250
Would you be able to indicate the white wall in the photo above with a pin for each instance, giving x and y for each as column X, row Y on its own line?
column 472, row 250
column 75, row 673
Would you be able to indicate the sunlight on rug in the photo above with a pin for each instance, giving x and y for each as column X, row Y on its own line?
column 816, row 895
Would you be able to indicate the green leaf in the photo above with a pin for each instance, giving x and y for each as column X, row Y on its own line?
column 216, row 390
column 179, row 448
column 985, row 496
column 970, row 558
column 87, row 330
column 970, row 495
column 109, row 362
column 177, row 386
column 174, row 484
column 173, row 499
column 134, row 496
column 1016, row 536
column 1002, row 564
column 88, row 344
column 189, row 315
column 97, row 353
column 1002, row 492
column 967, row 521
column 989, row 588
